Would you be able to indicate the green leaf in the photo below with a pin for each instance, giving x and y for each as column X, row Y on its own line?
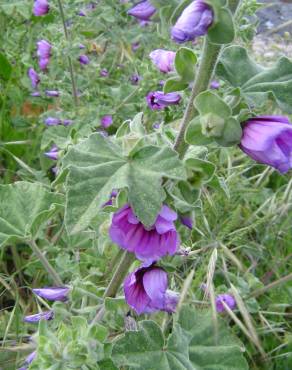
column 190, row 346
column 206, row 168
column 145, row 349
column 236, row 67
column 174, row 84
column 208, row 102
column 204, row 352
column 97, row 165
column 5, row 67
column 136, row 125
column 58, row 135
column 222, row 30
column 185, row 61
column 231, row 134
column 257, row 84
column 194, row 135
column 24, row 209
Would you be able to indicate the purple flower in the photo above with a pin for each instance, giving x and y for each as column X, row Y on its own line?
column 146, row 290
column 135, row 78
column 52, row 93
column 144, row 23
column 30, row 357
column 148, row 244
column 194, row 21
column 67, row 122
column 268, row 140
column 83, row 59
column 214, row 85
column 81, row 13
column 51, row 121
column 53, row 153
column 187, row 221
column 53, row 293
column 43, row 63
column 156, row 125
column 34, row 78
column 81, row 46
column 104, row 72
column 226, row 298
column 143, row 10
column 106, row 121
column 40, row 7
column 47, row 315
column 158, row 100
column 135, row 46
column 36, row 94
column 163, row 59
column 113, row 195
column 43, row 49
column 43, row 53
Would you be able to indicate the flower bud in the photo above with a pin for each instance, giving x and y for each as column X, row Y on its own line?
column 53, row 153
column 228, row 299
column 52, row 121
column 40, row 7
column 212, row 125
column 34, row 78
column 106, row 121
column 193, row 22
column 83, row 59
column 158, row 100
column 268, row 140
column 53, row 293
column 47, row 315
column 143, row 10
column 163, row 59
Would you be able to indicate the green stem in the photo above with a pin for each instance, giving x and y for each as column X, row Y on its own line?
column 120, row 274
column 71, row 70
column 48, row 267
column 203, row 77
column 116, row 281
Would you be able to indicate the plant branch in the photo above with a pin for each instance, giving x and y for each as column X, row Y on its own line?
column 48, row 267
column 116, row 281
column 203, row 77
column 71, row 70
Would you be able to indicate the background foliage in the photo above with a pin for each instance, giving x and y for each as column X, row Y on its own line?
column 242, row 236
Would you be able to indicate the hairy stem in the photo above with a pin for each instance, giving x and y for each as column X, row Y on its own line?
column 71, row 70
column 203, row 77
column 116, row 281
column 48, row 267
column 202, row 81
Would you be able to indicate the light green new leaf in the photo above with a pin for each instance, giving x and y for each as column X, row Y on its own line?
column 24, row 208
column 97, row 165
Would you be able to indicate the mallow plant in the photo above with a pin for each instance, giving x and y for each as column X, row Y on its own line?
column 122, row 191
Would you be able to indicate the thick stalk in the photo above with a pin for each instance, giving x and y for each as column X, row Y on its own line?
column 202, row 81
column 116, row 281
column 204, row 75
column 48, row 267
column 71, row 70
column 119, row 275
